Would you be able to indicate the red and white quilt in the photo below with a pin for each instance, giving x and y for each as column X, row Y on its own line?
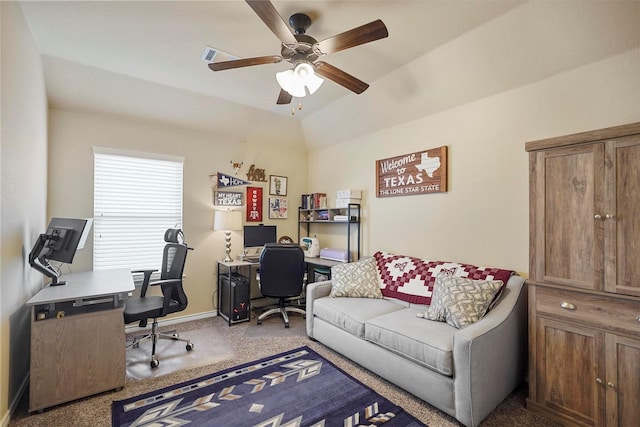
column 411, row 279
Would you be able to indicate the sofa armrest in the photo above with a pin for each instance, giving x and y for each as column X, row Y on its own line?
column 490, row 355
column 314, row 291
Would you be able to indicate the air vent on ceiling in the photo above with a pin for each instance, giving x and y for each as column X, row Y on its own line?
column 211, row 54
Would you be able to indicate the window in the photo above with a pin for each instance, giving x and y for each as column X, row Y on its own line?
column 136, row 197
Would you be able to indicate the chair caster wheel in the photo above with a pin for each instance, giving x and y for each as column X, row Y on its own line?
column 154, row 363
column 286, row 325
column 189, row 347
column 259, row 322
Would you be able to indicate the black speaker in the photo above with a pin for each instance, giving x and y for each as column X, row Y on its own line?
column 234, row 298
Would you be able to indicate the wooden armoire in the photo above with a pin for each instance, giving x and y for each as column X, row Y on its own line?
column 584, row 277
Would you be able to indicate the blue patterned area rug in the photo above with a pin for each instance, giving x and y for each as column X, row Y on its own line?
column 295, row 388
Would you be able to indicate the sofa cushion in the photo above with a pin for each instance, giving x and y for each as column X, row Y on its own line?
column 355, row 280
column 351, row 314
column 460, row 301
column 412, row 279
column 429, row 344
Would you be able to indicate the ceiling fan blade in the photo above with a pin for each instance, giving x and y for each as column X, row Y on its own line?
column 270, row 16
column 284, row 97
column 245, row 62
column 337, row 75
column 364, row 34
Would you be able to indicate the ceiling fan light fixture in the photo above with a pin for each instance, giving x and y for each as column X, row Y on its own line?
column 294, row 81
column 308, row 76
column 289, row 82
column 303, row 70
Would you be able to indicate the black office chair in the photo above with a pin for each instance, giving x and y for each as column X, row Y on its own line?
column 281, row 276
column 173, row 298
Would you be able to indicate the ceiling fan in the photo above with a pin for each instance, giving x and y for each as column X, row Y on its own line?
column 303, row 51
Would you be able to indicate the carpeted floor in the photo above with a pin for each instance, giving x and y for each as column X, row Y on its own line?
column 247, row 342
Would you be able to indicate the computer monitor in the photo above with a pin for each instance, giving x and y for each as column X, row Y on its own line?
column 256, row 236
column 59, row 243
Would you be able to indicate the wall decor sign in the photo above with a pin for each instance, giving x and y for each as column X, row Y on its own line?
column 256, row 174
column 228, row 198
column 254, row 204
column 277, row 185
column 236, row 166
column 223, row 180
column 277, row 208
column 422, row 172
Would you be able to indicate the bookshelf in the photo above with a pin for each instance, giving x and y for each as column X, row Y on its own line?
column 349, row 216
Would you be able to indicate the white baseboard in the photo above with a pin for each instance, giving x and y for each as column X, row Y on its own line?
column 173, row 321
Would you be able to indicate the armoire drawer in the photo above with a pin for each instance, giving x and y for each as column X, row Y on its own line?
column 588, row 309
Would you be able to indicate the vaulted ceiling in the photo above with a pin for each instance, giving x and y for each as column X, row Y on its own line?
column 143, row 58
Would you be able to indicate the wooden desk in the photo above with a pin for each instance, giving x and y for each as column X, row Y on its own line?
column 77, row 337
column 248, row 269
column 314, row 262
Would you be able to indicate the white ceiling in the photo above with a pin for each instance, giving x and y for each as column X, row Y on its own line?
column 142, row 58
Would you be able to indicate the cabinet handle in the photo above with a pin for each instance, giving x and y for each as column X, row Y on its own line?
column 599, row 380
column 596, row 216
column 607, row 216
column 610, row 384
column 568, row 306
column 638, row 318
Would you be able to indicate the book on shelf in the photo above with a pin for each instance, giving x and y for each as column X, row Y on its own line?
column 313, row 201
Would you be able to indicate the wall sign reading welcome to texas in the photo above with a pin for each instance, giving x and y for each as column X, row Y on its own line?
column 416, row 173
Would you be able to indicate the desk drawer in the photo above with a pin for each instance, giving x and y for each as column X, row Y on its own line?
column 588, row 309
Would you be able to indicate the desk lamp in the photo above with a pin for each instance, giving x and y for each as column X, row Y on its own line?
column 227, row 221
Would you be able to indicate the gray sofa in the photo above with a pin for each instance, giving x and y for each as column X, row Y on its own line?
column 464, row 372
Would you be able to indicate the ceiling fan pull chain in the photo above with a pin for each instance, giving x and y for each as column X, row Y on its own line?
column 293, row 110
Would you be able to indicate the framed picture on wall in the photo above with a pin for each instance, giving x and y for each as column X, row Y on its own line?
column 277, row 208
column 277, row 185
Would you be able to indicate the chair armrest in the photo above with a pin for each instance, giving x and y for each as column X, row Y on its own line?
column 489, row 356
column 314, row 291
column 145, row 280
column 166, row 282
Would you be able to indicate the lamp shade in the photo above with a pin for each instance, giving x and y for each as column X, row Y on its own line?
column 227, row 221
column 294, row 81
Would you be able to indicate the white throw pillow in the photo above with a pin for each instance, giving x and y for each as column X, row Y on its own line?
column 460, row 301
column 356, row 280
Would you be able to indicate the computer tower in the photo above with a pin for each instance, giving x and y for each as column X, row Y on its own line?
column 234, row 298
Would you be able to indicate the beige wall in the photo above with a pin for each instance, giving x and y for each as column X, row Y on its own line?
column 23, row 153
column 483, row 218
column 273, row 146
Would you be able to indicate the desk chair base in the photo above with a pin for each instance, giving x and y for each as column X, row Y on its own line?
column 156, row 335
column 283, row 311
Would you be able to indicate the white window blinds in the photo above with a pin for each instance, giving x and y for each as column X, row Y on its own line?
column 136, row 198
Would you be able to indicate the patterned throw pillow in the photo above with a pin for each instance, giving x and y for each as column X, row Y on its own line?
column 355, row 279
column 460, row 301
column 412, row 279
